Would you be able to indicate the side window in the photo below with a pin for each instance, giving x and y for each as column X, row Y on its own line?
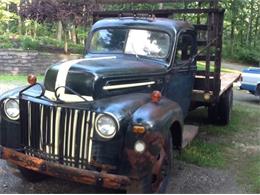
column 185, row 48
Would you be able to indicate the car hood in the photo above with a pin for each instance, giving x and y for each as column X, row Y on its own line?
column 87, row 75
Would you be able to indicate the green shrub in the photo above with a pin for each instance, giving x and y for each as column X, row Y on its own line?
column 76, row 48
column 44, row 40
column 29, row 43
column 245, row 54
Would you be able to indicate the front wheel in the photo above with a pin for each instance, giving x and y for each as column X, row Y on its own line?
column 158, row 179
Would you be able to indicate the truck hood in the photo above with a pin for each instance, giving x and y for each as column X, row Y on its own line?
column 93, row 74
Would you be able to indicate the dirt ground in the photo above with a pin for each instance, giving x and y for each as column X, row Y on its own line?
column 186, row 178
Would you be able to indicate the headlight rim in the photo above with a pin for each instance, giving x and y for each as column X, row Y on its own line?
column 5, row 110
column 113, row 118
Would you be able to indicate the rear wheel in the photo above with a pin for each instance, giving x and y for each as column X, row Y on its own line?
column 257, row 92
column 213, row 113
column 220, row 113
column 32, row 176
column 225, row 107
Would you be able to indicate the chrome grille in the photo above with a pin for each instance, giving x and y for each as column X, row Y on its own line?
column 57, row 134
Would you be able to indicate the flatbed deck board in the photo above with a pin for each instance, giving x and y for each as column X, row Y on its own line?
column 227, row 80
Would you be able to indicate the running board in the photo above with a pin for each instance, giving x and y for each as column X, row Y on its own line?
column 189, row 133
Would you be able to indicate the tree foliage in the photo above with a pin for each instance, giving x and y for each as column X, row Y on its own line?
column 68, row 21
column 76, row 12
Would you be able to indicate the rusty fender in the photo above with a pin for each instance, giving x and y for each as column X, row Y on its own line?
column 157, row 119
column 151, row 160
column 69, row 173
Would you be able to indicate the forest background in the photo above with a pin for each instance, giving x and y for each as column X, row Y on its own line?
column 63, row 25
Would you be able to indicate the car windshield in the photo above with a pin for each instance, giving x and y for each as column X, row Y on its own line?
column 153, row 44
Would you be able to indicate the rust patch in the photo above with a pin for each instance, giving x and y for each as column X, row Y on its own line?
column 153, row 157
column 65, row 172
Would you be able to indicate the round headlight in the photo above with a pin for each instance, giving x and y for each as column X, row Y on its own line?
column 11, row 108
column 106, row 126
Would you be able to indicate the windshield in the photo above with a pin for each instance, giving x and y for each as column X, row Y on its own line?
column 131, row 41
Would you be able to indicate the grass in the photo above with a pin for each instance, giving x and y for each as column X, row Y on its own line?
column 204, row 154
column 216, row 146
column 237, row 124
column 252, row 173
column 201, row 66
column 17, row 79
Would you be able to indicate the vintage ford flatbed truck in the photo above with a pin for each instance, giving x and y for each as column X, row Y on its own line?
column 113, row 118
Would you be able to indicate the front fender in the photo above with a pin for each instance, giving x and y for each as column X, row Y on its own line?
column 157, row 119
column 9, row 130
column 11, row 93
column 122, row 107
column 158, row 116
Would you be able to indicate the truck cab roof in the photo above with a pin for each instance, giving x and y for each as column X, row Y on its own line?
column 160, row 24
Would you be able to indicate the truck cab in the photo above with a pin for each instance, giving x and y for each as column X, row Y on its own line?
column 130, row 55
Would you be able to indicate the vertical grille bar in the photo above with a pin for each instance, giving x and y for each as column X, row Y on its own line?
column 91, row 136
column 61, row 136
column 41, row 127
column 29, row 123
column 77, row 138
column 66, row 134
column 24, row 122
column 48, row 129
column 53, row 129
column 57, row 132
column 82, row 138
column 35, row 126
column 70, row 138
column 85, row 141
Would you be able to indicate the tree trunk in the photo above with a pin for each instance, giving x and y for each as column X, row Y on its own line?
column 66, row 33
column 256, row 38
column 73, row 34
column 65, row 42
column 59, row 31
column 160, row 5
column 35, row 27
column 20, row 22
column 250, row 30
column 232, row 27
column 232, row 36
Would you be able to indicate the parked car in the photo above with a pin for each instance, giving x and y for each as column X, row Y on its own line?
column 251, row 80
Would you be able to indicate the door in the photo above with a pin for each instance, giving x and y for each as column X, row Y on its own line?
column 181, row 78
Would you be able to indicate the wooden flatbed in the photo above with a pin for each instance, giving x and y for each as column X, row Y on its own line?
column 227, row 80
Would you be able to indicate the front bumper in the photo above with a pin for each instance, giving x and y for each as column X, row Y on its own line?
column 103, row 179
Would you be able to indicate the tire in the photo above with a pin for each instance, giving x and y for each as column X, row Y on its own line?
column 32, row 176
column 257, row 92
column 150, row 183
column 220, row 113
column 225, row 107
column 213, row 115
